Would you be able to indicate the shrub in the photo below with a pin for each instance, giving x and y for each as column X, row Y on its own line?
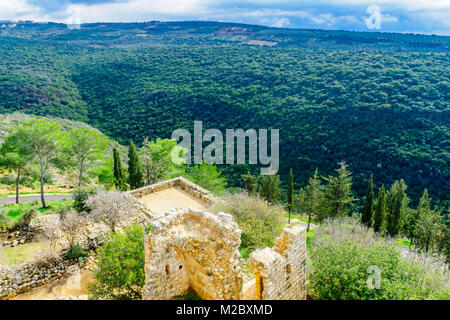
column 207, row 176
column 25, row 219
column 71, row 223
column 259, row 221
column 120, row 268
column 345, row 257
column 6, row 223
column 111, row 207
column 76, row 252
column 80, row 196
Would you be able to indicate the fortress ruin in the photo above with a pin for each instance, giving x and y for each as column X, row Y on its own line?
column 188, row 247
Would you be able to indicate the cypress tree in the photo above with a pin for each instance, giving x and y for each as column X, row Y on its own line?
column 119, row 181
column 135, row 175
column 422, row 208
column 398, row 207
column 380, row 210
column 290, row 194
column 368, row 204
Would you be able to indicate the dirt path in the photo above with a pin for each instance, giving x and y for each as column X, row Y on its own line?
column 305, row 224
column 69, row 286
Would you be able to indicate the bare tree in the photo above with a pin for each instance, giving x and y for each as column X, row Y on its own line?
column 111, row 207
column 71, row 224
column 49, row 232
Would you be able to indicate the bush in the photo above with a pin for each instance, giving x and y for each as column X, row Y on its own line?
column 25, row 219
column 345, row 257
column 207, row 176
column 6, row 223
column 259, row 221
column 120, row 268
column 76, row 252
column 80, row 197
column 71, row 222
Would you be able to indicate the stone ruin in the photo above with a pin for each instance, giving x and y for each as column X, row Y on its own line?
column 280, row 272
column 188, row 248
column 193, row 249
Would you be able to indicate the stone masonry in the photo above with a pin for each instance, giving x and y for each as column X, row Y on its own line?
column 181, row 182
column 280, row 272
column 195, row 249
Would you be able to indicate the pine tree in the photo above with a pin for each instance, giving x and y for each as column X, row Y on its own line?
column 134, row 167
column 368, row 204
column 119, row 180
column 397, row 204
column 338, row 193
column 380, row 210
column 270, row 188
column 250, row 183
column 290, row 197
column 310, row 198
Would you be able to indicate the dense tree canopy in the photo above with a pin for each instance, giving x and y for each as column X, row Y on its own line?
column 380, row 102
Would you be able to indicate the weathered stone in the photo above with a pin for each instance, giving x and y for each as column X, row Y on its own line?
column 280, row 271
column 192, row 248
column 181, row 255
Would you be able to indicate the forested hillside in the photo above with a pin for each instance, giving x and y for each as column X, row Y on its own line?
column 378, row 101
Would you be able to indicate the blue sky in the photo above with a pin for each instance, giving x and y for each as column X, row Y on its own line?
column 416, row 16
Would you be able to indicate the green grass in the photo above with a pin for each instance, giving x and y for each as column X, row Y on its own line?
column 15, row 211
column 20, row 254
column 403, row 242
column 301, row 218
column 245, row 252
column 310, row 235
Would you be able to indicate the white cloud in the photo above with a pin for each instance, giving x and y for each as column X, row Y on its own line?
column 404, row 4
column 14, row 9
column 281, row 23
column 388, row 18
column 425, row 15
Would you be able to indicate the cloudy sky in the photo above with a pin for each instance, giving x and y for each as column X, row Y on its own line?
column 417, row 16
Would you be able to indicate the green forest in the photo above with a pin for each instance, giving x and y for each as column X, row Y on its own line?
column 379, row 102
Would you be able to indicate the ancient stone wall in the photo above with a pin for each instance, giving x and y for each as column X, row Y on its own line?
column 181, row 182
column 23, row 278
column 193, row 249
column 199, row 250
column 280, row 272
